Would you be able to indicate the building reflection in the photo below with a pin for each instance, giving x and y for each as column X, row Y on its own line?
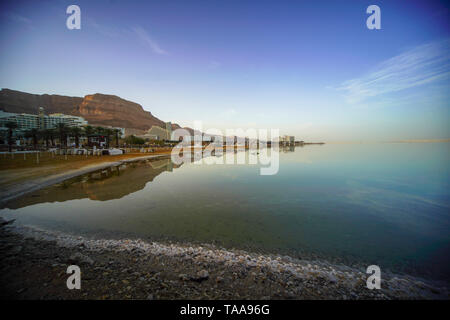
column 107, row 184
column 286, row 149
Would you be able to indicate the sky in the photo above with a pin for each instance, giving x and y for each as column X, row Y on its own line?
column 309, row 68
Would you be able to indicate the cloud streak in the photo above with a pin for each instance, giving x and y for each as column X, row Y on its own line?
column 103, row 30
column 421, row 65
column 145, row 38
column 17, row 18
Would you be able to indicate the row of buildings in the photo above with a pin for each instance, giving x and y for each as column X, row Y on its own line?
column 287, row 140
column 26, row 122
column 159, row 133
column 40, row 121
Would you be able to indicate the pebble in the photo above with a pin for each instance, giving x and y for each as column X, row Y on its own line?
column 79, row 258
column 202, row 275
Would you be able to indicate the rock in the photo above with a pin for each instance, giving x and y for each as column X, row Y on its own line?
column 202, row 275
column 16, row 250
column 219, row 279
column 332, row 278
column 78, row 258
column 150, row 297
column 4, row 222
column 183, row 276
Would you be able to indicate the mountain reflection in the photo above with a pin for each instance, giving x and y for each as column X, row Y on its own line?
column 107, row 184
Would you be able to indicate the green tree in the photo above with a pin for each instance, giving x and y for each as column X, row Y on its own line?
column 99, row 130
column 134, row 140
column 88, row 130
column 76, row 132
column 108, row 133
column 11, row 125
column 49, row 135
column 62, row 131
column 34, row 134
column 116, row 133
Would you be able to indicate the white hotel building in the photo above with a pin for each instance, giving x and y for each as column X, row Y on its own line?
column 38, row 121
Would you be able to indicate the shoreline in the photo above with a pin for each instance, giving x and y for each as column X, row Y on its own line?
column 136, row 269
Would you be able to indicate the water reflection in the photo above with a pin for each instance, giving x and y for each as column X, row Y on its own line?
column 288, row 149
column 384, row 204
column 102, row 185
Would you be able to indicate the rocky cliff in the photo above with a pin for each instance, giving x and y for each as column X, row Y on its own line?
column 97, row 109
column 113, row 111
column 22, row 102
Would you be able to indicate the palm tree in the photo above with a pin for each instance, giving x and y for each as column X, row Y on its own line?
column 49, row 134
column 11, row 125
column 108, row 133
column 100, row 131
column 88, row 130
column 117, row 132
column 62, row 130
column 34, row 134
column 76, row 132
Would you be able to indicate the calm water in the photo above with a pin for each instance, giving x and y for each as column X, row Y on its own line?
column 384, row 204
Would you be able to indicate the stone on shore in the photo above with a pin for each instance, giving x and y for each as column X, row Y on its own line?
column 79, row 258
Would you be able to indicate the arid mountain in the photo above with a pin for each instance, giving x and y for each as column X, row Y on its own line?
column 113, row 111
column 22, row 102
column 97, row 109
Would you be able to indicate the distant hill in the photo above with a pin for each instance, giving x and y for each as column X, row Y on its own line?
column 97, row 109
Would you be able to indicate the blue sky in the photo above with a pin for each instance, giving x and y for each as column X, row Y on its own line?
column 309, row 68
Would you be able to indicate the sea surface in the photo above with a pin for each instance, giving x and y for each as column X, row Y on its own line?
column 386, row 204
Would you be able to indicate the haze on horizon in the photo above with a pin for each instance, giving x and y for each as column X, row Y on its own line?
column 310, row 68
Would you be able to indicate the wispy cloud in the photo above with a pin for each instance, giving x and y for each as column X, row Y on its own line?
column 147, row 40
column 418, row 66
column 17, row 18
column 104, row 30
